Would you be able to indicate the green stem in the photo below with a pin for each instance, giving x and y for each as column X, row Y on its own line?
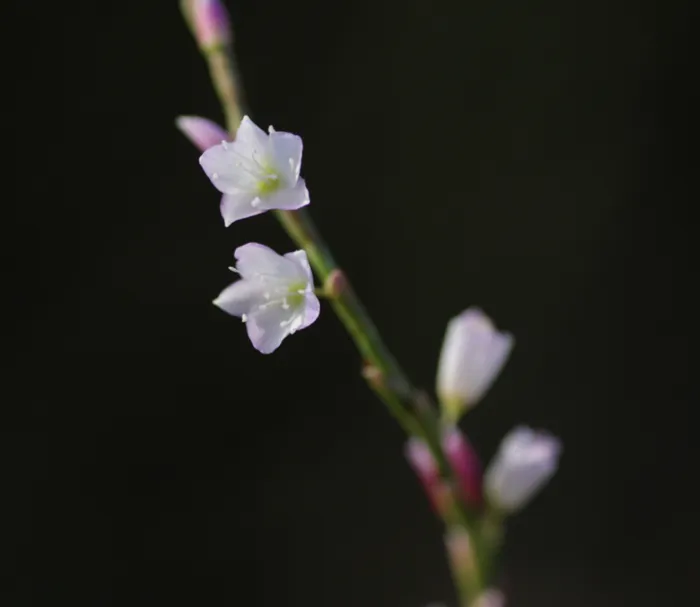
column 409, row 407
column 348, row 307
column 463, row 563
column 222, row 69
column 491, row 532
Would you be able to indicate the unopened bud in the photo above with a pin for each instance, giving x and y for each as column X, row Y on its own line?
column 525, row 461
column 212, row 26
column 335, row 284
column 463, row 461
column 203, row 133
column 491, row 598
column 465, row 464
column 424, row 465
column 473, row 354
column 373, row 376
column 460, row 551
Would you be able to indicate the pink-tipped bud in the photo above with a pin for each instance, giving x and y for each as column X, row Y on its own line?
column 462, row 459
column 421, row 459
column 212, row 25
column 203, row 133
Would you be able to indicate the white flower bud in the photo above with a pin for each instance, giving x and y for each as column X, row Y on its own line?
column 526, row 460
column 473, row 354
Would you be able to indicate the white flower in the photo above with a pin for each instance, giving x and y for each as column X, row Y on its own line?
column 256, row 172
column 275, row 296
column 473, row 353
column 525, row 461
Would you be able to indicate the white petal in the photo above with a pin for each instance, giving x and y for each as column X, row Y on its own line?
column 221, row 163
column 299, row 257
column 268, row 326
column 251, row 137
column 284, row 151
column 287, row 199
column 240, row 297
column 238, row 206
column 256, row 261
column 312, row 308
column 312, row 305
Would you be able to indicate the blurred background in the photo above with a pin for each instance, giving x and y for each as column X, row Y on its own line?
column 531, row 158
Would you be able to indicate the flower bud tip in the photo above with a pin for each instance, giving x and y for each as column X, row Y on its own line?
column 335, row 284
column 203, row 133
column 212, row 26
column 472, row 356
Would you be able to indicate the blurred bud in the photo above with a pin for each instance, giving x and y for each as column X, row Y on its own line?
column 424, row 465
column 491, row 598
column 473, row 353
column 336, row 284
column 460, row 551
column 212, row 26
column 465, row 463
column 373, row 376
column 203, row 133
column 462, row 459
column 525, row 461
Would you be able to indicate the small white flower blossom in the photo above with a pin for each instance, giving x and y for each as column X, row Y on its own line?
column 256, row 172
column 525, row 461
column 472, row 355
column 274, row 297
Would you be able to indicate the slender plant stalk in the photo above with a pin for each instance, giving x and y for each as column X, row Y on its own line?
column 411, row 408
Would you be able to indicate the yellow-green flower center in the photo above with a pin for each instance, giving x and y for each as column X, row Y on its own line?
column 296, row 294
column 269, row 184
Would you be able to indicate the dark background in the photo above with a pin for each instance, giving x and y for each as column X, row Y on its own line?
column 528, row 157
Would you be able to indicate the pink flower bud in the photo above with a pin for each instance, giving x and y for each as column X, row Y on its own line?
column 212, row 25
column 424, row 465
column 462, row 459
column 465, row 463
column 203, row 133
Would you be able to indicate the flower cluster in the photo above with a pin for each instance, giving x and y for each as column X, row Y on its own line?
column 258, row 172
column 473, row 354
